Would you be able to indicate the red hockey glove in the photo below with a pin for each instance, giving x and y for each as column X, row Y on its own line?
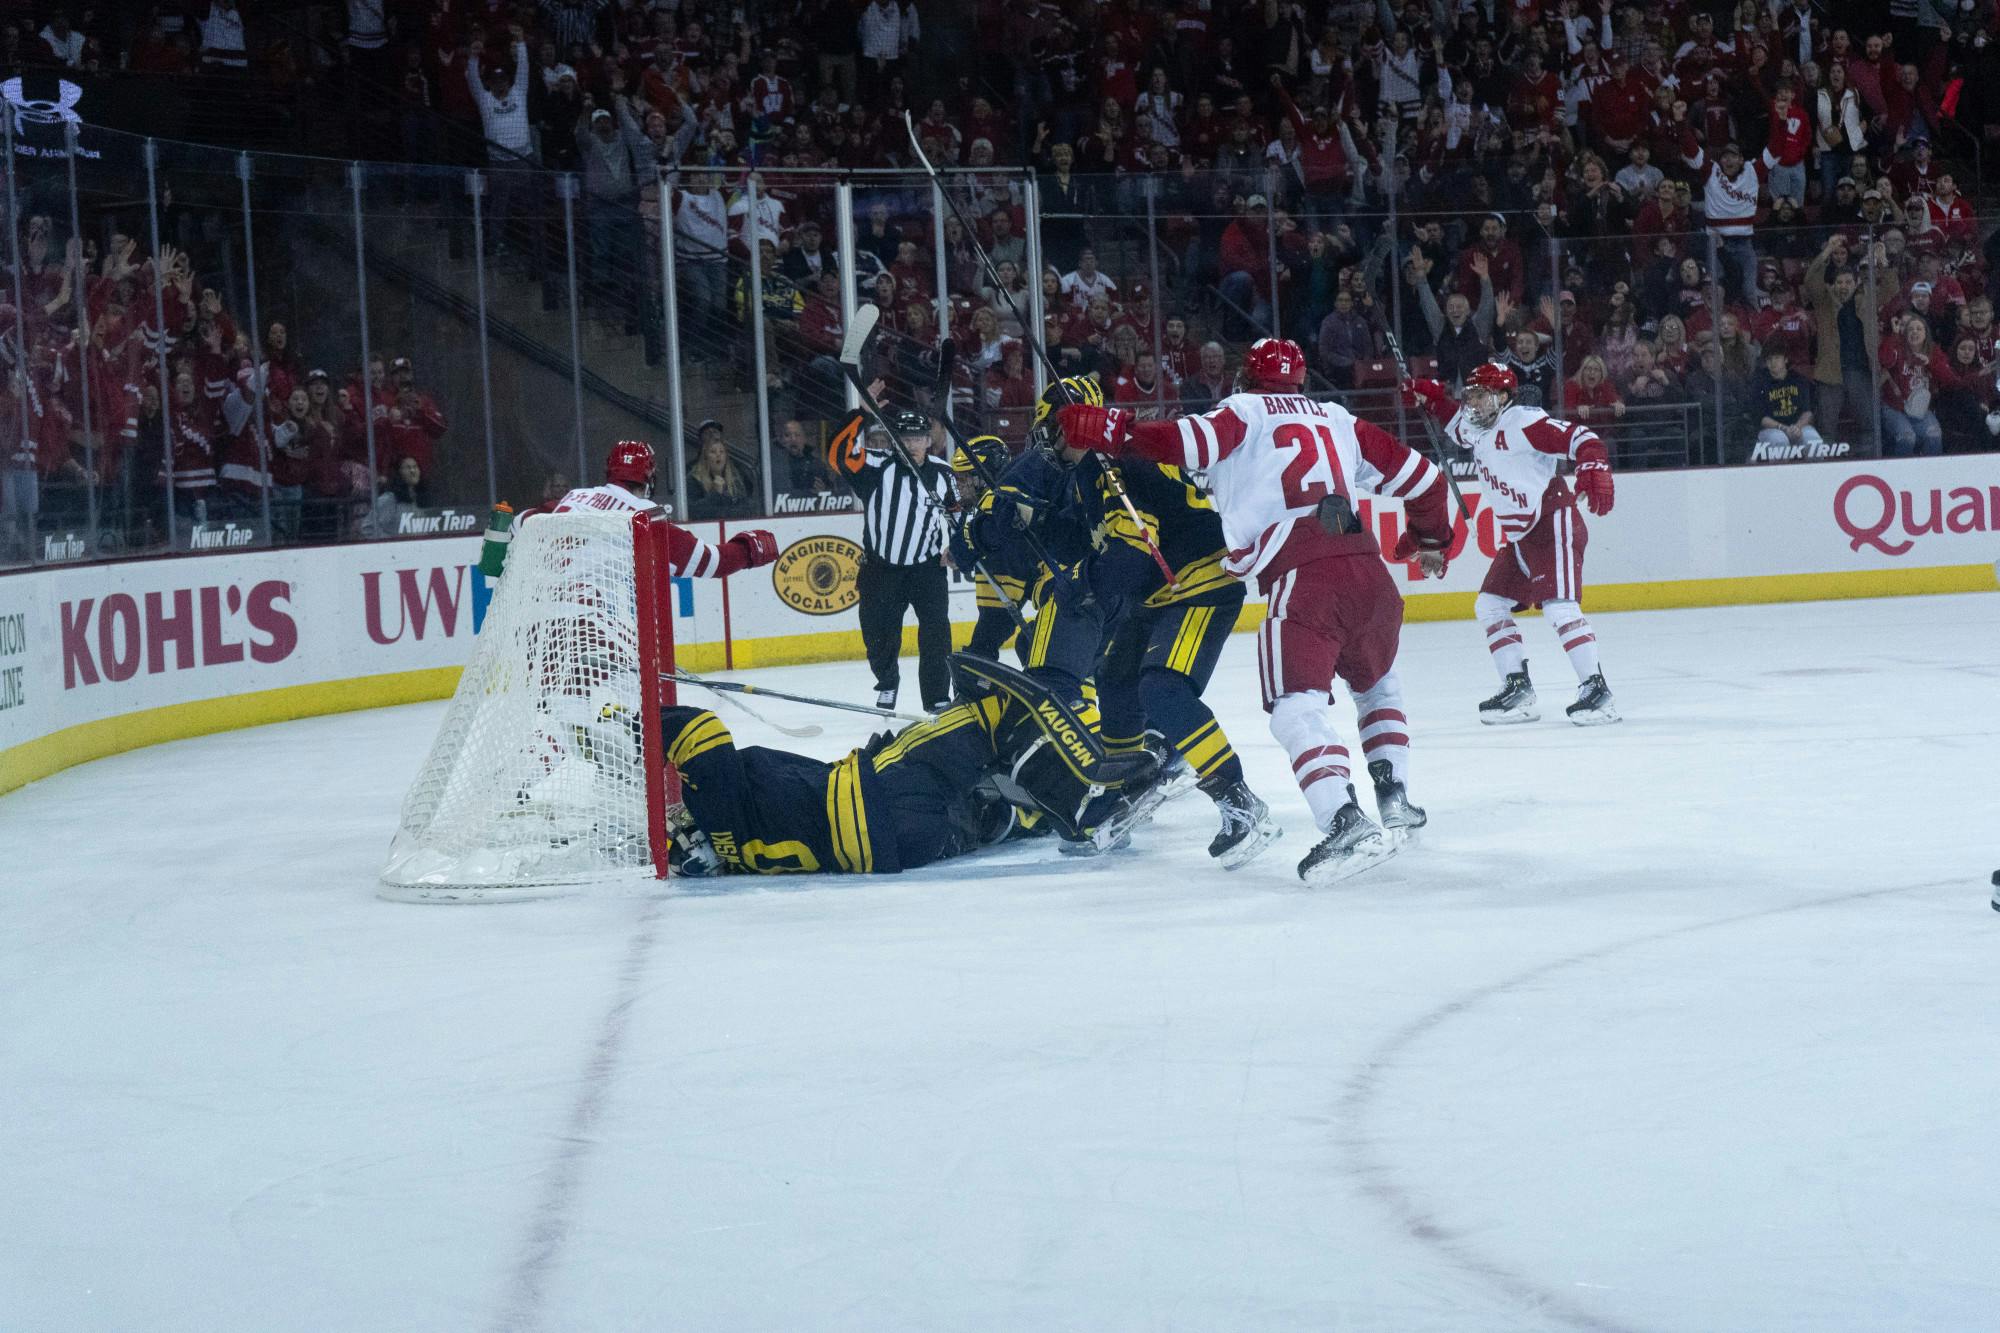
column 759, row 547
column 1428, row 552
column 1593, row 478
column 1104, row 429
column 1424, row 393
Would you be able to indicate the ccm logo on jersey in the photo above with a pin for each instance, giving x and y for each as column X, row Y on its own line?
column 1867, row 521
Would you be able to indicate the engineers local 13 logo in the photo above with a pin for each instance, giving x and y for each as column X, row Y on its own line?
column 816, row 575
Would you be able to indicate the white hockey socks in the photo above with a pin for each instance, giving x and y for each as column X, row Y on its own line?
column 1304, row 726
column 1574, row 633
column 1385, row 730
column 1503, row 633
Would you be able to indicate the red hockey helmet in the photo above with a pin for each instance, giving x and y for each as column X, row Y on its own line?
column 1493, row 376
column 630, row 463
column 1274, row 363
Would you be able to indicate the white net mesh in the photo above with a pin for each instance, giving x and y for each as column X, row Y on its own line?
column 537, row 778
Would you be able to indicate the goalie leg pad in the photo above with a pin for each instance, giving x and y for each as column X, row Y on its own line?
column 1074, row 742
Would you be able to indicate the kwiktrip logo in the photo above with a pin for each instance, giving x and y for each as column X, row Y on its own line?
column 1890, row 519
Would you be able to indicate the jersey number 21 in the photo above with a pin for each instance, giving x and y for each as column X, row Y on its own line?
column 1314, row 470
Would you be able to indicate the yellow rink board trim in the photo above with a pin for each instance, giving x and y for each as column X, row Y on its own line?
column 49, row 754
column 36, row 759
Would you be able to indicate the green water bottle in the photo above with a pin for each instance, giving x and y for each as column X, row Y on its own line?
column 499, row 531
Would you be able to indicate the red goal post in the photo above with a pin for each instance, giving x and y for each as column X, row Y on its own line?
column 547, row 774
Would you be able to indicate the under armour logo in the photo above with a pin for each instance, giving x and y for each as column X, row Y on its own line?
column 28, row 111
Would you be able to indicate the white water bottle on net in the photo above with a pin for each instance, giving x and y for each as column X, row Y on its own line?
column 546, row 773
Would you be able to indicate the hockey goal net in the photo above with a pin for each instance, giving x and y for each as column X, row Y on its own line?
column 546, row 773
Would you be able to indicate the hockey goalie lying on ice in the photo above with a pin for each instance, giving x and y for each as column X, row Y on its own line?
column 1014, row 761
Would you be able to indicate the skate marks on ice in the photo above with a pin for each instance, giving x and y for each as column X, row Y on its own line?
column 549, row 1221
column 1425, row 1221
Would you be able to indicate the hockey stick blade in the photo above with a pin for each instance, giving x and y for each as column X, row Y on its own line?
column 806, row 732
column 859, row 330
column 947, row 364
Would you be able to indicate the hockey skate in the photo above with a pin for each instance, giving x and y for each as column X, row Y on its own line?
column 1515, row 702
column 1247, row 826
column 1593, row 706
column 1352, row 845
column 1392, row 801
column 886, row 699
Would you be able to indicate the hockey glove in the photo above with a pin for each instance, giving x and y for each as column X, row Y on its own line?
column 1593, row 478
column 1430, row 553
column 1424, row 393
column 758, row 546
column 1103, row 429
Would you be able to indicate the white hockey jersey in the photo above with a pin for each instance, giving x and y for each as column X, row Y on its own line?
column 608, row 498
column 1270, row 459
column 1520, row 458
column 688, row 556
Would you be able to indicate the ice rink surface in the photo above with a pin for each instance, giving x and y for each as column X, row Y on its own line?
column 1688, row 1023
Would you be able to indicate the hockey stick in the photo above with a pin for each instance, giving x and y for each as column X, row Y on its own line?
column 1431, row 429
column 1032, row 339
column 738, row 687
column 806, row 732
column 860, row 329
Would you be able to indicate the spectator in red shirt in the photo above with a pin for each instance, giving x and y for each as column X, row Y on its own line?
column 1791, row 136
column 1914, row 372
column 770, row 93
column 1246, row 262
column 1618, row 107
column 820, row 324
column 1151, row 395
column 1503, row 261
column 1785, row 323
column 1948, row 215
column 1591, row 397
column 1914, row 174
column 1008, row 394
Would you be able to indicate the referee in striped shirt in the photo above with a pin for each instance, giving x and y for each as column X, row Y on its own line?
column 902, row 540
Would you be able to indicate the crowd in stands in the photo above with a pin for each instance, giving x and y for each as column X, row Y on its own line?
column 1754, row 213
column 252, row 425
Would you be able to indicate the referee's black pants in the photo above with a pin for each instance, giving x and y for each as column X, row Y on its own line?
column 887, row 591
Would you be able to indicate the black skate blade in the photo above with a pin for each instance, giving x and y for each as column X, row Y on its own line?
column 1252, row 846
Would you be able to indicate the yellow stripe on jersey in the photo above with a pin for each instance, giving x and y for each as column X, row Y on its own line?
column 1188, row 640
column 1124, row 744
column 847, row 818
column 697, row 738
column 1207, row 749
column 985, row 596
column 1197, row 578
column 1044, row 625
column 950, row 720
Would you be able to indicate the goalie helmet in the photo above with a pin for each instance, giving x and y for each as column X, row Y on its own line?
column 1046, row 434
column 631, row 465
